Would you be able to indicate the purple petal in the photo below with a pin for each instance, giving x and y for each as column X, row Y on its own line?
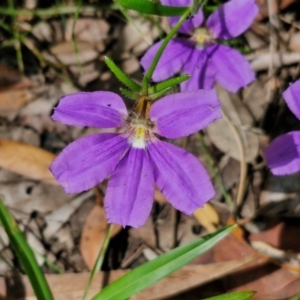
column 175, row 55
column 190, row 24
column 283, row 154
column 177, row 2
column 202, row 72
column 88, row 161
column 232, row 18
column 96, row 109
column 181, row 114
column 180, row 177
column 232, row 70
column 292, row 98
column 130, row 191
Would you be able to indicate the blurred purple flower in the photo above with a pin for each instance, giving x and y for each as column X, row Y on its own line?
column 199, row 55
column 283, row 154
column 135, row 159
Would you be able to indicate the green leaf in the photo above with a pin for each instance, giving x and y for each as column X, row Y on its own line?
column 121, row 75
column 25, row 255
column 159, row 94
column 152, row 8
column 129, row 94
column 245, row 295
column 152, row 271
column 168, row 83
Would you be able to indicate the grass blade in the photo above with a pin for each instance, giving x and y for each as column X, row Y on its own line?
column 245, row 295
column 25, row 255
column 152, row 8
column 151, row 272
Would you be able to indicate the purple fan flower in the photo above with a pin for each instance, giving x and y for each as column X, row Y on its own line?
column 283, row 154
column 135, row 159
column 200, row 56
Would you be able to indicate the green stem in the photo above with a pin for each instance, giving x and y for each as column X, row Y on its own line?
column 148, row 75
column 99, row 260
column 17, row 43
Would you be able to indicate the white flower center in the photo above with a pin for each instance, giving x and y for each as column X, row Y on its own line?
column 139, row 136
column 201, row 37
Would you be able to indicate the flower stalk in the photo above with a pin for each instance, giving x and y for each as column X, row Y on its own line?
column 99, row 260
column 148, row 75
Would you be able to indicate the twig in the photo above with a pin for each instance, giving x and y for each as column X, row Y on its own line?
column 272, row 47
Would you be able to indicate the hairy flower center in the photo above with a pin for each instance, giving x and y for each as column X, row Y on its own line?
column 201, row 37
column 139, row 136
column 139, row 123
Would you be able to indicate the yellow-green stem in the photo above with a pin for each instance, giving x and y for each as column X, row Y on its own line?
column 99, row 260
column 148, row 75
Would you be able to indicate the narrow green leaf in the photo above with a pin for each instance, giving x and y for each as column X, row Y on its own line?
column 245, row 295
column 99, row 261
column 152, row 8
column 168, row 83
column 121, row 75
column 296, row 297
column 129, row 94
column 25, row 255
column 159, row 94
column 151, row 272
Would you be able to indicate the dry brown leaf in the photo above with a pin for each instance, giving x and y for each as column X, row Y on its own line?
column 220, row 132
column 26, row 160
column 159, row 197
column 14, row 91
column 262, row 61
column 261, row 275
column 90, row 30
column 294, row 41
column 286, row 292
column 93, row 235
column 13, row 99
column 71, row 286
column 255, row 99
column 65, row 53
column 286, row 259
column 8, row 76
column 238, row 232
column 145, row 233
column 283, row 235
column 267, row 197
column 277, row 7
column 137, row 36
column 207, row 217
